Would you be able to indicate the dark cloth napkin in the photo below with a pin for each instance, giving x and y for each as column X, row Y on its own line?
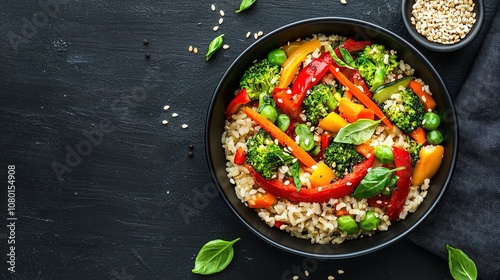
column 468, row 217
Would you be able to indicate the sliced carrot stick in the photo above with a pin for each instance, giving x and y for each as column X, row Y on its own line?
column 292, row 63
column 429, row 102
column 419, row 135
column 356, row 92
column 284, row 139
column 366, row 114
column 262, row 200
column 349, row 110
column 365, row 149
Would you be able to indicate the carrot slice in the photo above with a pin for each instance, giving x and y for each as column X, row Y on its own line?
column 356, row 92
column 366, row 114
column 262, row 200
column 349, row 110
column 419, row 135
column 292, row 63
column 365, row 149
column 429, row 102
column 284, row 139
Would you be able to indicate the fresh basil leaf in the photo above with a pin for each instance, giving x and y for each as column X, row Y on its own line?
column 346, row 55
column 337, row 60
column 461, row 266
column 358, row 132
column 214, row 45
column 214, row 257
column 295, row 171
column 374, row 182
column 387, row 190
column 245, row 4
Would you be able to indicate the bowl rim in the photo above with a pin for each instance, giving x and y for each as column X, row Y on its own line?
column 406, row 7
column 330, row 20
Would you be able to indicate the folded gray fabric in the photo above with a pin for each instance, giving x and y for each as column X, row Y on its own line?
column 468, row 217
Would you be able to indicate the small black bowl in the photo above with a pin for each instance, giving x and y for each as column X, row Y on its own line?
column 358, row 30
column 407, row 7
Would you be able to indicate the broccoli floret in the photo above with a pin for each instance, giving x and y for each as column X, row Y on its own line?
column 265, row 156
column 404, row 109
column 373, row 63
column 319, row 102
column 260, row 78
column 413, row 149
column 342, row 157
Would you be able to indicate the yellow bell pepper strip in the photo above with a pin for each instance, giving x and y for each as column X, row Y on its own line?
column 292, row 63
column 323, row 175
column 262, row 200
column 400, row 193
column 282, row 138
column 363, row 98
column 430, row 158
column 332, row 123
column 427, row 100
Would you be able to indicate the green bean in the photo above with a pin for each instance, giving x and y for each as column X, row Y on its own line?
column 306, row 137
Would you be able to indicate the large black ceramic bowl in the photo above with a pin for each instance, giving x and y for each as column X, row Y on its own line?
column 361, row 31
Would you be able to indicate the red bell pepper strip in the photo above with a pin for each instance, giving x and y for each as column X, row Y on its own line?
column 400, row 193
column 337, row 189
column 358, row 81
column 379, row 200
column 240, row 156
column 355, row 46
column 323, row 144
column 288, row 103
column 241, row 98
column 310, row 75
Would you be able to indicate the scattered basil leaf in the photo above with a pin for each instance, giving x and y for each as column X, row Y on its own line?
column 214, row 45
column 461, row 266
column 295, row 171
column 374, row 182
column 390, row 186
column 245, row 4
column 337, row 60
column 214, row 257
column 357, row 132
column 346, row 55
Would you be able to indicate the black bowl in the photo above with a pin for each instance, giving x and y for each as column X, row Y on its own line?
column 361, row 31
column 407, row 7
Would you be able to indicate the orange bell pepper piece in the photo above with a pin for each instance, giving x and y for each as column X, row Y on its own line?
column 430, row 158
column 262, row 200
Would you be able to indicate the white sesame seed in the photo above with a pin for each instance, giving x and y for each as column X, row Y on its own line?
column 331, row 277
column 313, row 80
column 287, row 182
column 221, row 13
column 340, row 271
column 296, row 277
column 280, row 100
column 260, row 33
column 343, row 2
column 320, row 188
column 294, row 160
column 306, row 141
column 249, row 34
column 212, row 7
column 184, row 126
column 379, row 201
column 225, row 47
column 190, row 48
column 348, row 183
column 221, row 20
column 306, row 273
column 166, row 107
column 195, row 50
column 289, row 91
column 314, row 167
column 175, row 115
column 290, row 149
column 164, row 122
column 215, row 28
column 337, row 69
column 255, row 36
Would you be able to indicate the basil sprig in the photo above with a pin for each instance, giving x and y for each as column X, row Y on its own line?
column 375, row 182
column 346, row 55
column 214, row 257
column 214, row 45
column 245, row 4
column 337, row 60
column 295, row 171
column 358, row 132
column 461, row 266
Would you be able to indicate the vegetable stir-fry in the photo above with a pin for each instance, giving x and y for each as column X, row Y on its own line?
column 319, row 110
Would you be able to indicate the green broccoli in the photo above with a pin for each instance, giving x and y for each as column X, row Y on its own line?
column 404, row 109
column 265, row 156
column 260, row 78
column 319, row 102
column 374, row 63
column 413, row 149
column 342, row 157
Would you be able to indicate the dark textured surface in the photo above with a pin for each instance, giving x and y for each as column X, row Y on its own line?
column 134, row 205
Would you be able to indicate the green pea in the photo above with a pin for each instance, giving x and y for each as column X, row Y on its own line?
column 269, row 112
column 370, row 222
column 306, row 137
column 384, row 154
column 277, row 57
column 347, row 224
column 434, row 137
column 431, row 121
column 283, row 122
